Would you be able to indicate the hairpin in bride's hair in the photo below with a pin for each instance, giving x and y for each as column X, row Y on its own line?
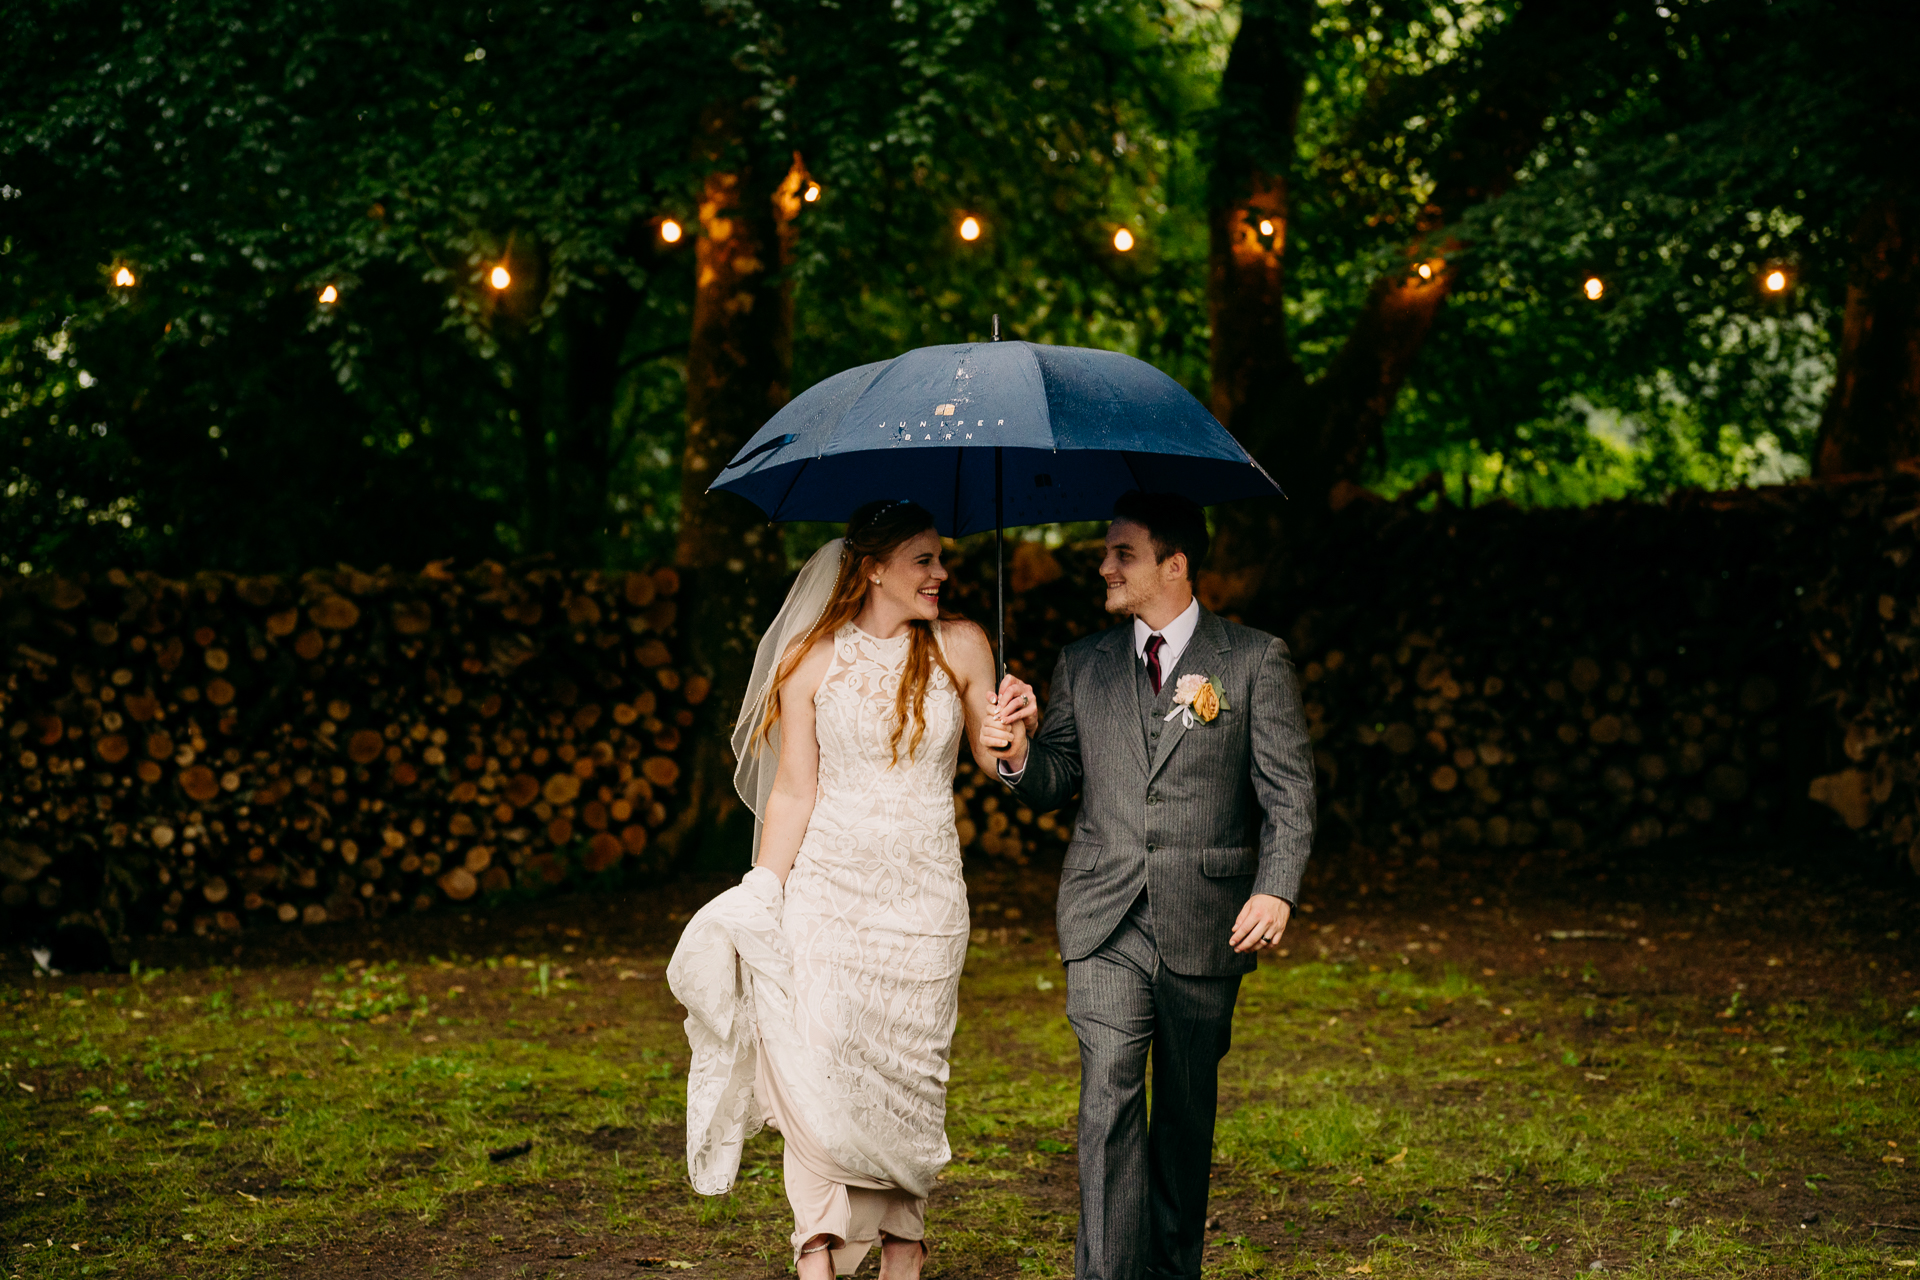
column 873, row 517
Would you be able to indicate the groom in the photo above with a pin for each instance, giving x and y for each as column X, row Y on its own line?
column 1184, row 736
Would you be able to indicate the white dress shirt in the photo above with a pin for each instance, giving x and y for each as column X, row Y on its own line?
column 1177, row 634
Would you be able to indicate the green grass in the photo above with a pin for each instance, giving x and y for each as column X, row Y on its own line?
column 1408, row 1117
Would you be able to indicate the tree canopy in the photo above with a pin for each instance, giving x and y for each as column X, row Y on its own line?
column 235, row 161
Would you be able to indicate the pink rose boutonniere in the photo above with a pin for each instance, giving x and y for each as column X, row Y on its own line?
column 1196, row 697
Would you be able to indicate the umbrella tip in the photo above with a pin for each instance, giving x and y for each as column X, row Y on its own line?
column 996, row 326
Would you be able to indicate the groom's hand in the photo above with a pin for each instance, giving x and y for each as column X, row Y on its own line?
column 1262, row 923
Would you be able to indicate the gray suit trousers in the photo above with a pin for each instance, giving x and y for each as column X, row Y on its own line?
column 1143, row 1187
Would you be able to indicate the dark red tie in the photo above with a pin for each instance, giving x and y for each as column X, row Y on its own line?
column 1154, row 643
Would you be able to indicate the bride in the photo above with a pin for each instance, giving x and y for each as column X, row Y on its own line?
column 822, row 991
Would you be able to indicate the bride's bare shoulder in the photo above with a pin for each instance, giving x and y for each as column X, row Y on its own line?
column 965, row 641
column 805, row 680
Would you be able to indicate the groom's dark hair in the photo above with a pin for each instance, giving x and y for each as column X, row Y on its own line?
column 1173, row 523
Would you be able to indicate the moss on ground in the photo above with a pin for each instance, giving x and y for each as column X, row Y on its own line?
column 1449, row 1093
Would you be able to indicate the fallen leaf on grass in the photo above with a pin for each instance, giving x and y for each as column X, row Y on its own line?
column 1357, row 1179
column 1364, row 1269
column 1399, row 1159
column 1595, row 1075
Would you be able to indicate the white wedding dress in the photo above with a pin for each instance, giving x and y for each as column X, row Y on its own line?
column 830, row 1012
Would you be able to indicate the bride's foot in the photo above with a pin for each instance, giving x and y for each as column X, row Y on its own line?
column 815, row 1261
column 901, row 1259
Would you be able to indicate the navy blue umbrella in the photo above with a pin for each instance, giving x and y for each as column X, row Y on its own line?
column 989, row 435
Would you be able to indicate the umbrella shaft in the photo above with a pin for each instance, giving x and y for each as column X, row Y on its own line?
column 999, row 568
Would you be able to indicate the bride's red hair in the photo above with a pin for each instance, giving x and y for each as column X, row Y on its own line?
column 876, row 531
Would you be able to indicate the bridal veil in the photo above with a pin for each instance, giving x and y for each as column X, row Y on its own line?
column 805, row 602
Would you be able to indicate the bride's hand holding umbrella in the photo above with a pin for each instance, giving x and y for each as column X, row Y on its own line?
column 1017, row 715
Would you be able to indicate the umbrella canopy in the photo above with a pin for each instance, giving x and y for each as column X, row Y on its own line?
column 990, row 435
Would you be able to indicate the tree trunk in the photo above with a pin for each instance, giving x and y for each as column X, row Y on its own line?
column 1253, row 372
column 514, row 320
column 594, row 325
column 1872, row 418
column 739, row 365
column 1254, row 381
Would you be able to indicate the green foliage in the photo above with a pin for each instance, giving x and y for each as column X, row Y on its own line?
column 238, row 160
column 1710, row 145
column 218, row 414
column 1055, row 126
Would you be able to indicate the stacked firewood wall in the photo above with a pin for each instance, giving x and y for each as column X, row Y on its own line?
column 1500, row 685
column 294, row 750
column 1861, row 618
column 1484, row 687
column 1493, row 686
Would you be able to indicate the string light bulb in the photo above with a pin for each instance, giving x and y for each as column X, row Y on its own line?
column 329, row 295
column 1775, row 281
column 500, row 277
column 670, row 231
column 1595, row 288
column 1123, row 240
column 970, row 228
column 1425, row 271
column 1266, row 226
column 812, row 192
column 123, row 278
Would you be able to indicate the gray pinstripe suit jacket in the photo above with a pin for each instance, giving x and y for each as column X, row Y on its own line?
column 1219, row 812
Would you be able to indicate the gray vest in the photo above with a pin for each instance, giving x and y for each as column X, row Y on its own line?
column 1154, row 706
